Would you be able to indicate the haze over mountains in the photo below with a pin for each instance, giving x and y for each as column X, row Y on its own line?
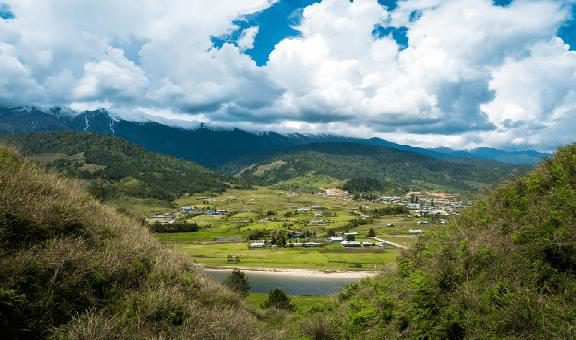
column 215, row 147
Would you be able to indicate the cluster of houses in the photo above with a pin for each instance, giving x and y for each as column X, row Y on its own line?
column 171, row 217
column 343, row 240
column 263, row 244
column 428, row 206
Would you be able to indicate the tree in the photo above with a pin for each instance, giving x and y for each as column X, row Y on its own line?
column 350, row 238
column 238, row 282
column 371, row 232
column 278, row 299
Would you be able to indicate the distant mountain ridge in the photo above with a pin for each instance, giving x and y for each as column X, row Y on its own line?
column 214, row 147
column 397, row 170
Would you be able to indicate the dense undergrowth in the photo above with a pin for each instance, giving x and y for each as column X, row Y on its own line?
column 71, row 267
column 507, row 269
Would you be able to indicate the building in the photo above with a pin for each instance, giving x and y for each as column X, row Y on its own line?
column 352, row 244
column 255, row 245
column 312, row 244
column 162, row 219
column 334, row 239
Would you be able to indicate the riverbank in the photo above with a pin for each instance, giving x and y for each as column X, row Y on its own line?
column 335, row 274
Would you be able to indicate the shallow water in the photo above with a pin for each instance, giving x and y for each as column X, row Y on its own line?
column 293, row 285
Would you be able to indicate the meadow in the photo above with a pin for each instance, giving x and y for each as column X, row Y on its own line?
column 264, row 209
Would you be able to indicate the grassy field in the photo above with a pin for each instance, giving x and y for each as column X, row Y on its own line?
column 220, row 236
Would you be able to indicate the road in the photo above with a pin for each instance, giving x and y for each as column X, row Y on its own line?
column 390, row 243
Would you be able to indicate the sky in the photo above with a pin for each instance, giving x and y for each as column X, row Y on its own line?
column 457, row 73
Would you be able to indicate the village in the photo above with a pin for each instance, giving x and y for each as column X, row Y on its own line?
column 257, row 226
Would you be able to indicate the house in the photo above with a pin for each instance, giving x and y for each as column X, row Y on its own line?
column 423, row 222
column 255, row 245
column 162, row 219
column 303, row 210
column 318, row 207
column 213, row 212
column 415, row 231
column 186, row 210
column 367, row 244
column 336, row 239
column 320, row 222
column 336, row 192
column 413, row 206
column 312, row 244
column 318, row 215
column 390, row 225
column 351, row 244
column 352, row 233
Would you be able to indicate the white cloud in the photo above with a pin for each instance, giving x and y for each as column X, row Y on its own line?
column 473, row 73
column 246, row 40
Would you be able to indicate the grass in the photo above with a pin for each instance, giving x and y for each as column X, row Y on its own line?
column 72, row 268
column 332, row 257
column 221, row 236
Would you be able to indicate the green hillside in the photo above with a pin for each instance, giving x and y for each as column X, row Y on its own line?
column 507, row 269
column 72, row 268
column 114, row 167
column 395, row 169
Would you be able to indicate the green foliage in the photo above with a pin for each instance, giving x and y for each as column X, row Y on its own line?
column 113, row 166
column 364, row 184
column 174, row 228
column 365, row 165
column 277, row 298
column 389, row 210
column 238, row 282
column 506, row 269
column 72, row 268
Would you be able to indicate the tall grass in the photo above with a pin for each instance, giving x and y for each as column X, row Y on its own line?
column 71, row 267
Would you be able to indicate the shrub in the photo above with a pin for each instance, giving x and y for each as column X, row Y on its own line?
column 238, row 282
column 278, row 299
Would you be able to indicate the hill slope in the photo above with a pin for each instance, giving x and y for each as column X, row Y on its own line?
column 395, row 167
column 114, row 166
column 506, row 270
column 72, row 268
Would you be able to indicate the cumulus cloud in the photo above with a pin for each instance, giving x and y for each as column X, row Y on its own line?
column 471, row 73
column 246, row 40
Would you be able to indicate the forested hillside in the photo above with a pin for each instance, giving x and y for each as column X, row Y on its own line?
column 395, row 169
column 507, row 269
column 213, row 147
column 113, row 166
column 72, row 268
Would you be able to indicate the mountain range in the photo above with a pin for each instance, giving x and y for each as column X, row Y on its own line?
column 214, row 148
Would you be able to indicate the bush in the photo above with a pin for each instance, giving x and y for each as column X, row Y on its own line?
column 278, row 299
column 71, row 267
column 238, row 282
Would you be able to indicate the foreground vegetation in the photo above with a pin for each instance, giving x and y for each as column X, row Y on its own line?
column 73, row 268
column 506, row 270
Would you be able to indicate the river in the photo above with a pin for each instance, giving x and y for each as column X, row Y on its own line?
column 263, row 282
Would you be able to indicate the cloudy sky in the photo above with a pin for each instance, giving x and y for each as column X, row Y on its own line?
column 459, row 73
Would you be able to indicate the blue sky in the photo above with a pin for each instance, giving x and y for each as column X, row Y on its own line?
column 276, row 23
column 459, row 73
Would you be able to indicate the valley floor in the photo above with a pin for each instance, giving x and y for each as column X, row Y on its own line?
column 265, row 210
